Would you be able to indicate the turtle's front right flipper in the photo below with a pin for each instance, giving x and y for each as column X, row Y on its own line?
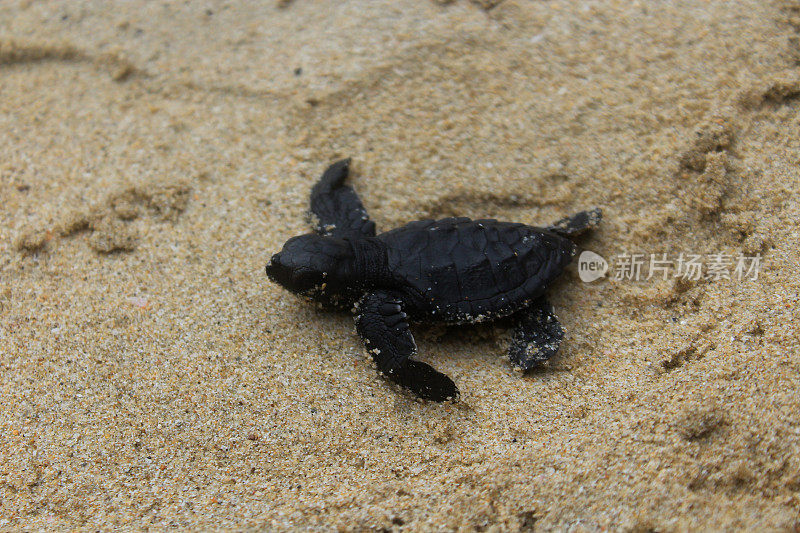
column 336, row 206
column 424, row 381
column 383, row 325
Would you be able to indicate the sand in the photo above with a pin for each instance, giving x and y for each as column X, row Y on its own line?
column 155, row 154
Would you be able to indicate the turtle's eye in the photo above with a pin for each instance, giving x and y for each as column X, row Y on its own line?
column 304, row 279
column 301, row 277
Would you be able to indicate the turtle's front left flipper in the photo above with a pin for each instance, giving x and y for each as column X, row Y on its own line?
column 537, row 335
column 336, row 206
column 383, row 325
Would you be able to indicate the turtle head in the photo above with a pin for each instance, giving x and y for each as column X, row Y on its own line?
column 312, row 265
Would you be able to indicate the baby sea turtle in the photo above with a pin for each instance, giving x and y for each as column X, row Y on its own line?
column 453, row 270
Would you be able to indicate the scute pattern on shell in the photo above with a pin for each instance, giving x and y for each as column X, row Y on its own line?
column 461, row 271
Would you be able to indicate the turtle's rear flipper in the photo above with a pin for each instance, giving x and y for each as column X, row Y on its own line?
column 537, row 336
column 578, row 223
column 383, row 325
column 337, row 208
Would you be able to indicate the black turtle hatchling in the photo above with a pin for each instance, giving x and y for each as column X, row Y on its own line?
column 453, row 270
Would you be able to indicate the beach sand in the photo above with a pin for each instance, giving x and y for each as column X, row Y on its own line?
column 154, row 155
